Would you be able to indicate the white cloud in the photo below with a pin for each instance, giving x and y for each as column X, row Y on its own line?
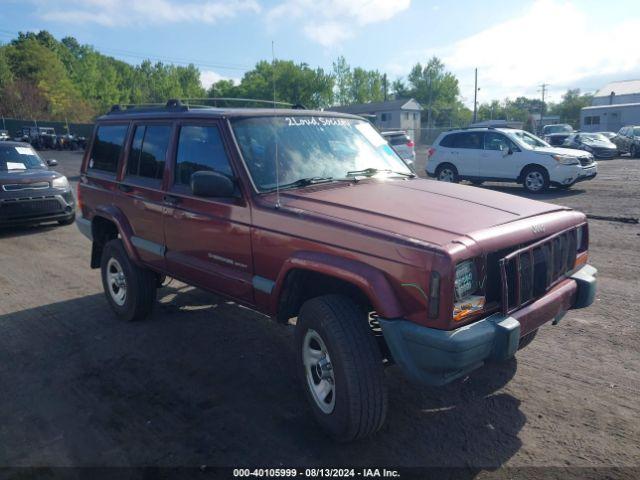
column 330, row 22
column 113, row 13
column 209, row 77
column 552, row 42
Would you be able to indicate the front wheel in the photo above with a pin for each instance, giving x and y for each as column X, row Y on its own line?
column 130, row 290
column 535, row 180
column 633, row 151
column 340, row 367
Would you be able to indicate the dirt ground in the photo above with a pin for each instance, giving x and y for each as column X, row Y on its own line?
column 205, row 382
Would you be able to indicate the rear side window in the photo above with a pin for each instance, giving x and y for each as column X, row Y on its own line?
column 471, row 140
column 200, row 148
column 448, row 140
column 107, row 146
column 398, row 140
column 148, row 151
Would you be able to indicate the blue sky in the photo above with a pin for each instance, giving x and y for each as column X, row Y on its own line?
column 516, row 45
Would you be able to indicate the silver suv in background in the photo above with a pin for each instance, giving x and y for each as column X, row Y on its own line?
column 402, row 144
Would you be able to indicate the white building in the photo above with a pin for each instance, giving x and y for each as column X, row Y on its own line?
column 615, row 105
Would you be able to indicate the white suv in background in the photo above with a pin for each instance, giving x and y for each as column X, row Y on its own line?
column 507, row 155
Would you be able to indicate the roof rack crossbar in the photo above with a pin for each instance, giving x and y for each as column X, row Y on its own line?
column 185, row 104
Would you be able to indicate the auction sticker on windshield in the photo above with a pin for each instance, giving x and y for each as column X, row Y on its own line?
column 16, row 166
column 24, row 150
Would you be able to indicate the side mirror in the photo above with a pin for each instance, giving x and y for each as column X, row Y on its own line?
column 506, row 151
column 52, row 162
column 211, row 184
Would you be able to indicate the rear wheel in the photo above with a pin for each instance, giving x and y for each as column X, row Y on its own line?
column 447, row 173
column 535, row 179
column 130, row 290
column 340, row 367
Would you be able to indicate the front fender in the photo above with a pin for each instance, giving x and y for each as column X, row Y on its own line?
column 371, row 281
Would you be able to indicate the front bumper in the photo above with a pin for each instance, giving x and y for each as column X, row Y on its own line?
column 429, row 356
column 45, row 207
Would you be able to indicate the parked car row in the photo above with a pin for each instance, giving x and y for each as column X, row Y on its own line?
column 45, row 138
column 602, row 145
column 507, row 155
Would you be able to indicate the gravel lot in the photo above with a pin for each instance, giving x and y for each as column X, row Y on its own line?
column 205, row 382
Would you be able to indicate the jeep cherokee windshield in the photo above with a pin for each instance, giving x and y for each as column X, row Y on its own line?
column 312, row 149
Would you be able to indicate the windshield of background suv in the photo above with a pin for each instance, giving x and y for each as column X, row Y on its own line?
column 312, row 147
column 19, row 158
column 528, row 139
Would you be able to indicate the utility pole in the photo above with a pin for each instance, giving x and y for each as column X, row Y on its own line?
column 543, row 89
column 475, row 98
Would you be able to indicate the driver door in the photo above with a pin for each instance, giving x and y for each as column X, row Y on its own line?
column 501, row 158
column 208, row 239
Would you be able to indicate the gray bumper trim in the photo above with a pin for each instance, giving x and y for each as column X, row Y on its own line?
column 435, row 357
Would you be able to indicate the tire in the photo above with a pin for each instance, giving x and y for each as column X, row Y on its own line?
column 130, row 290
column 447, row 173
column 535, row 179
column 67, row 221
column 527, row 339
column 633, row 151
column 334, row 345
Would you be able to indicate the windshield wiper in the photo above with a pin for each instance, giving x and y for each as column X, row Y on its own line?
column 369, row 172
column 303, row 182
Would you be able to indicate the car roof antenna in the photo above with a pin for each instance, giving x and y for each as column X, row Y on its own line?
column 273, row 79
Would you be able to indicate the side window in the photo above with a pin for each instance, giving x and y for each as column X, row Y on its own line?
column 107, row 146
column 200, row 148
column 495, row 141
column 448, row 141
column 470, row 140
column 148, row 151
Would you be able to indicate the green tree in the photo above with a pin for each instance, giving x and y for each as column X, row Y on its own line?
column 436, row 90
column 343, row 79
column 294, row 83
column 569, row 107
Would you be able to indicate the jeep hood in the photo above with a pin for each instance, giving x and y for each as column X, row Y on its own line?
column 425, row 210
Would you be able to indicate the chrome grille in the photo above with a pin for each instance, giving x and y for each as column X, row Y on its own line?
column 16, row 187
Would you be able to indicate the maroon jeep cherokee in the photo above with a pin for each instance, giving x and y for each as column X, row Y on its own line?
column 311, row 216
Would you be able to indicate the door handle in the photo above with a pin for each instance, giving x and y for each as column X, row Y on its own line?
column 125, row 188
column 171, row 200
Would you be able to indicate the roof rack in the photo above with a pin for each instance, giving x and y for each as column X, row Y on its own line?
column 186, row 104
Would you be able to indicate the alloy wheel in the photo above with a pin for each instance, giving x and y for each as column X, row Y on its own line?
column 446, row 175
column 319, row 371
column 116, row 282
column 534, row 181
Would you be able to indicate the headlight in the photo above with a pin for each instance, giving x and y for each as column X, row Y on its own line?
column 466, row 281
column 466, row 285
column 60, row 182
column 566, row 159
